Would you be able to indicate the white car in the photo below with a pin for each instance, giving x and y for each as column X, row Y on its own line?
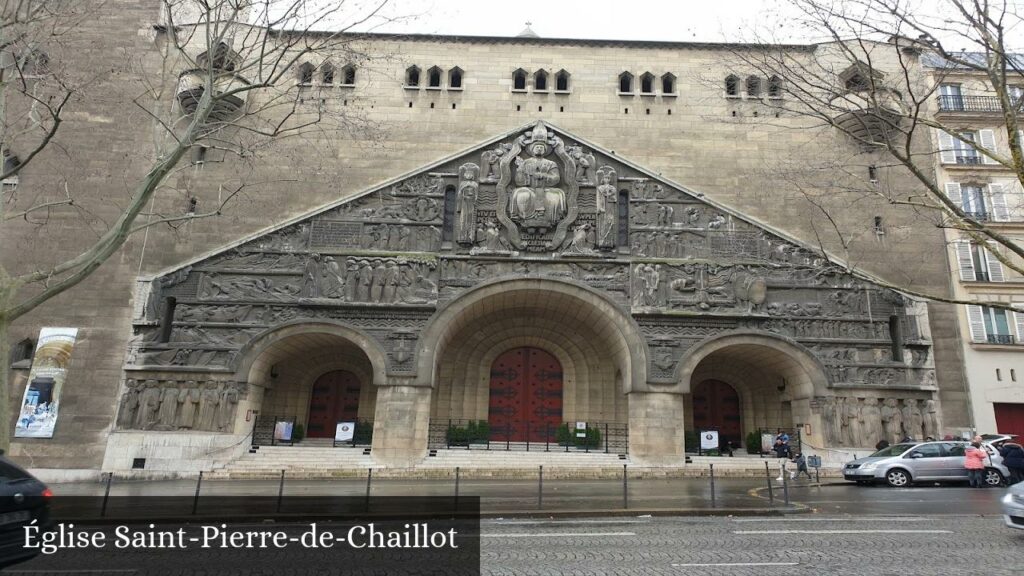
column 1013, row 506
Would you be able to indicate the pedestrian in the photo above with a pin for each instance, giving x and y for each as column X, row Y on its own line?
column 781, row 449
column 801, row 466
column 974, row 461
column 1013, row 459
column 882, row 445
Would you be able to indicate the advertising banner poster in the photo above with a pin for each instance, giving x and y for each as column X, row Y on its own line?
column 283, row 430
column 344, row 432
column 39, row 407
column 709, row 440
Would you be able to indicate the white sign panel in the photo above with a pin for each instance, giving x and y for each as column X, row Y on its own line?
column 581, row 429
column 709, row 440
column 344, row 432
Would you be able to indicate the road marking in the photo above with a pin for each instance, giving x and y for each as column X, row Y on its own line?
column 842, row 532
column 737, row 564
column 835, row 519
column 542, row 522
column 558, row 534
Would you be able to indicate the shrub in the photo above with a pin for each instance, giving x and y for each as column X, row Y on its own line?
column 753, row 443
column 566, row 436
column 363, row 434
column 298, row 433
column 691, row 441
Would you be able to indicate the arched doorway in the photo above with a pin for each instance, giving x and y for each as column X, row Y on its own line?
column 716, row 406
column 334, row 398
column 525, row 402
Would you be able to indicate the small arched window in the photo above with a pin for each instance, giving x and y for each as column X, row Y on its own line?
column 348, row 75
column 434, row 77
column 857, row 83
column 327, row 74
column 540, row 81
column 626, row 83
column 519, row 79
column 647, row 83
column 306, row 74
column 668, row 84
column 775, row 87
column 562, row 81
column 753, row 87
column 412, row 76
column 732, row 85
column 455, row 77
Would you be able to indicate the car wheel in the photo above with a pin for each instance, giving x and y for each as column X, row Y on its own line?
column 897, row 478
column 993, row 477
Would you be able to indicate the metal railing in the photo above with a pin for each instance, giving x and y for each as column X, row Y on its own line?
column 1000, row 339
column 968, row 158
column 263, row 432
column 969, row 104
column 606, row 437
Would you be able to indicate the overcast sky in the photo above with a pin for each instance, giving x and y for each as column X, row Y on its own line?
column 672, row 20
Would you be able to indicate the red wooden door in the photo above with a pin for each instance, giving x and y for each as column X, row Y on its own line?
column 525, row 396
column 1010, row 419
column 335, row 398
column 716, row 406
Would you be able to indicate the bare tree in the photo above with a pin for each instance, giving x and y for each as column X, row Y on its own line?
column 235, row 78
column 873, row 78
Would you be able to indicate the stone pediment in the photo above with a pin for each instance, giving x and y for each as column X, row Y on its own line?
column 536, row 201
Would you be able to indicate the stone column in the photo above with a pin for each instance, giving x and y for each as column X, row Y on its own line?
column 400, row 424
column 656, row 426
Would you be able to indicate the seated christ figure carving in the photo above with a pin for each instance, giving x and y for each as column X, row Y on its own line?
column 537, row 202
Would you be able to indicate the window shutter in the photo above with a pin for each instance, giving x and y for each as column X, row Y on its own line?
column 947, row 155
column 1019, row 321
column 976, row 318
column 954, row 193
column 1000, row 213
column 995, row 267
column 963, row 256
column 988, row 142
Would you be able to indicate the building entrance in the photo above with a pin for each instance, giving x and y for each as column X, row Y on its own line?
column 716, row 406
column 335, row 398
column 525, row 396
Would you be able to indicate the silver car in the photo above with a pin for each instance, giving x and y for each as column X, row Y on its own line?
column 903, row 464
column 1013, row 506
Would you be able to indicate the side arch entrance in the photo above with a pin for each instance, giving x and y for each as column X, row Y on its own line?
column 334, row 398
column 716, row 406
column 525, row 400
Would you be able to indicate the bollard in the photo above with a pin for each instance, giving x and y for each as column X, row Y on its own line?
column 606, row 438
column 817, row 476
column 280, row 491
column 768, row 477
column 106, row 494
column 527, row 435
column 785, row 484
column 457, row 488
column 540, row 488
column 369, row 481
column 712, row 468
column 195, row 500
column 625, row 489
column 547, row 437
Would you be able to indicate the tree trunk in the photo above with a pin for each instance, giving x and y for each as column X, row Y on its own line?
column 5, row 392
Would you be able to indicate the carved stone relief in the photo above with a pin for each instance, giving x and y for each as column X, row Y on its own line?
column 179, row 405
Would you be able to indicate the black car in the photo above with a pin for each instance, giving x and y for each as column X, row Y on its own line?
column 23, row 498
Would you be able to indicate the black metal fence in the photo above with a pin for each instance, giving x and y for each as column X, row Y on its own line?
column 606, row 437
column 956, row 103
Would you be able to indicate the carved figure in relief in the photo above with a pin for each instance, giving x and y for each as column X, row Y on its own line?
column 377, row 286
column 188, row 401
column 365, row 282
column 931, row 419
column 490, row 159
column 913, row 419
column 168, row 408
column 149, row 403
column 584, row 163
column 390, row 280
column 491, row 238
column 226, row 408
column 693, row 214
column 311, row 277
column 607, row 208
column 465, row 206
column 333, row 282
column 129, row 404
column 209, row 398
column 352, row 282
column 581, row 241
column 852, row 422
column 832, row 414
column 639, row 190
column 665, row 215
column 716, row 222
column 871, row 416
column 892, row 418
column 538, row 202
column 422, row 209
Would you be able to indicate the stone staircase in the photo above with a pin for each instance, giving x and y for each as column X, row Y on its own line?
column 315, row 460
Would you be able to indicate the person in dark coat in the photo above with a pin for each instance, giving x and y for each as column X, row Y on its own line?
column 882, row 444
column 1013, row 459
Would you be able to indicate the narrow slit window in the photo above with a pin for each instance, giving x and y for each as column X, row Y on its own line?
column 349, row 75
column 540, row 81
column 448, row 230
column 732, row 86
column 623, row 231
column 412, row 76
column 626, row 83
column 167, row 323
column 455, row 78
column 434, row 77
column 896, row 337
column 562, row 81
column 519, row 80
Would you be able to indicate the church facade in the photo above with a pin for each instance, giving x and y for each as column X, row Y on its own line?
column 561, row 232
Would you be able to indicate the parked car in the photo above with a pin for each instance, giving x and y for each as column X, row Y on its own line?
column 1013, row 506
column 905, row 463
column 23, row 498
column 997, row 440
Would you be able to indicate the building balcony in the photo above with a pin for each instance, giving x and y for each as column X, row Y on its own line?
column 1000, row 339
column 192, row 84
column 868, row 116
column 969, row 104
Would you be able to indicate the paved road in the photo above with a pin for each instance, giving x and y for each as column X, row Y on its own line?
column 807, row 544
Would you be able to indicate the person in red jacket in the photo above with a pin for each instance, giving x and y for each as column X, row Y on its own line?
column 974, row 461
